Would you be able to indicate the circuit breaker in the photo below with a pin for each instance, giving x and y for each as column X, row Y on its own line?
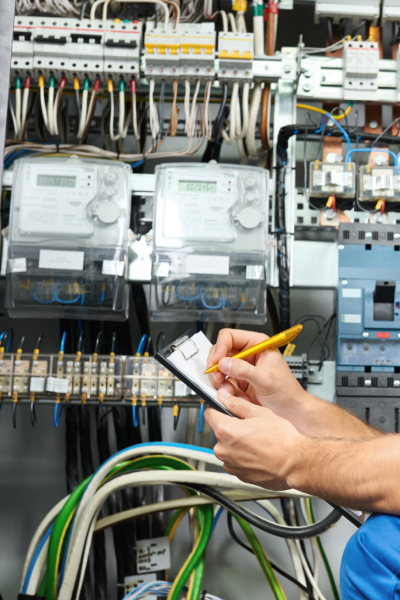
column 368, row 342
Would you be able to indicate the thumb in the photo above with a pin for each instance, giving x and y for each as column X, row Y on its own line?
column 238, row 406
column 241, row 369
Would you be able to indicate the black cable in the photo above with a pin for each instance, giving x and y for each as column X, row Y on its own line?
column 273, row 311
column 295, row 533
column 213, row 148
column 99, row 340
column 329, row 31
column 160, row 343
column 283, row 268
column 71, row 447
column 395, row 34
column 359, row 27
column 236, row 538
column 39, row 342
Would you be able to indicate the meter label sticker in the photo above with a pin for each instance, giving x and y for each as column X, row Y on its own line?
column 37, row 384
column 350, row 318
column 161, row 269
column 207, row 265
column 133, row 581
column 254, row 272
column 351, row 293
column 153, row 555
column 113, row 267
column 17, row 265
column 65, row 260
column 57, row 385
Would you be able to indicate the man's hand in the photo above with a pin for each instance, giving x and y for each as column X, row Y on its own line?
column 258, row 447
column 263, row 379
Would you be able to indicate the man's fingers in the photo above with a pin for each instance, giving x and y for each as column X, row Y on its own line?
column 238, row 406
column 242, row 370
column 235, row 339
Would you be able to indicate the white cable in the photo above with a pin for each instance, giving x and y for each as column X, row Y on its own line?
column 113, row 136
column 313, row 541
column 89, row 110
column 14, row 120
column 37, row 570
column 82, row 522
column 44, row 109
column 134, row 118
column 229, row 139
column 251, row 132
column 241, row 132
column 82, row 120
column 50, row 108
column 241, row 22
column 18, row 111
column 232, row 22
column 298, row 569
column 224, row 17
column 121, row 116
column 308, row 572
column 153, row 113
column 55, row 112
column 37, row 536
column 25, row 99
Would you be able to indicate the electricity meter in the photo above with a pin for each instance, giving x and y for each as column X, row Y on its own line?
column 67, row 241
column 210, row 243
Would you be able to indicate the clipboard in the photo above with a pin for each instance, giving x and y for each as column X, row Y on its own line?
column 188, row 349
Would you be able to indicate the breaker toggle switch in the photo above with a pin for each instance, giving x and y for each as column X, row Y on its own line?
column 384, row 300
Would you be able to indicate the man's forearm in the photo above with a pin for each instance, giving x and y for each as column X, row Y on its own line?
column 314, row 417
column 360, row 474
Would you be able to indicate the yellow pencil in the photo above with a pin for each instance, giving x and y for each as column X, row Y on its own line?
column 276, row 341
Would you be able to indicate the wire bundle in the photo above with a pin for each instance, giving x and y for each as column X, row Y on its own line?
column 62, row 542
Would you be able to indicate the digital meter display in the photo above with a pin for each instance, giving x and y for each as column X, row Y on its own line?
column 56, row 181
column 209, row 187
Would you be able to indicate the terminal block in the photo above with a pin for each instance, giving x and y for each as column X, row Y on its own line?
column 85, row 377
column 327, row 179
column 197, row 51
column 380, row 182
column 145, row 379
column 122, row 47
column 162, row 52
column 236, row 53
column 22, row 49
column 361, row 67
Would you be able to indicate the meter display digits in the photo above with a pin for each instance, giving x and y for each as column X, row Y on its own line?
column 209, row 187
column 56, row 181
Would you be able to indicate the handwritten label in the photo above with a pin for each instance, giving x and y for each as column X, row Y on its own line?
column 153, row 555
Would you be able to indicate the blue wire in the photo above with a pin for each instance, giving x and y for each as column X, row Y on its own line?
column 137, row 164
column 134, row 415
column 183, row 297
column 211, row 307
column 8, row 342
column 34, row 559
column 216, row 519
column 57, row 417
column 65, row 301
column 396, row 161
column 345, row 134
column 41, row 301
column 14, row 155
column 64, row 337
column 79, row 325
column 2, row 335
column 240, row 305
column 201, row 415
column 142, row 342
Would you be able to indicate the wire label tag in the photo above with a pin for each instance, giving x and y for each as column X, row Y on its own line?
column 17, row 265
column 254, row 272
column 37, row 384
column 113, row 267
column 57, row 385
column 153, row 555
column 65, row 260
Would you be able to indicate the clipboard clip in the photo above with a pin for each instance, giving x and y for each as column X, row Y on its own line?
column 177, row 347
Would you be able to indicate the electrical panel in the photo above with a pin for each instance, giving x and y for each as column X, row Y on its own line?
column 68, row 239
column 368, row 341
column 210, row 244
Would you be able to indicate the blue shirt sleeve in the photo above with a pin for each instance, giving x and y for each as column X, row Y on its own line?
column 370, row 567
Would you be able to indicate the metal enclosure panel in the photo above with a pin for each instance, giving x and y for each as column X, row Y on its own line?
column 6, row 37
